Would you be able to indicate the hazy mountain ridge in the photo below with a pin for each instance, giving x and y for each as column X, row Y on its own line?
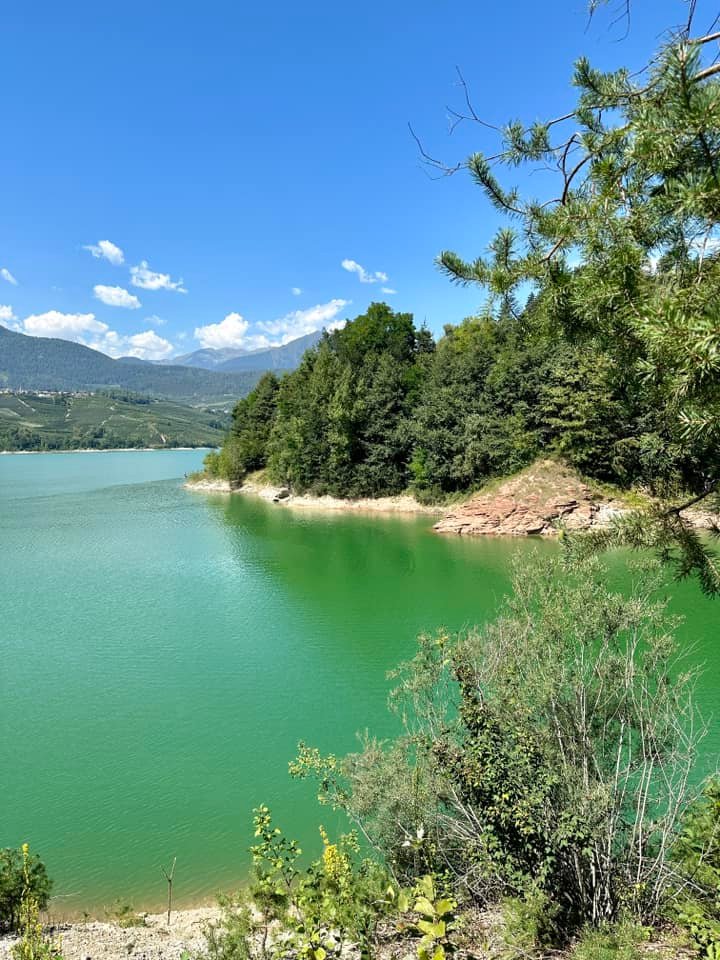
column 229, row 359
column 42, row 363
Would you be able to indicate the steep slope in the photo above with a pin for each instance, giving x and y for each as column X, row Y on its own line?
column 40, row 363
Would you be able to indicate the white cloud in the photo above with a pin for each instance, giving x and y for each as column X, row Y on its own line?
column 149, row 346
column 66, row 326
column 295, row 291
column 230, row 332
column 6, row 275
column 156, row 321
column 142, row 276
column 388, row 290
column 86, row 329
column 6, row 314
column 364, row 276
column 298, row 323
column 106, row 250
column 233, row 330
column 116, row 297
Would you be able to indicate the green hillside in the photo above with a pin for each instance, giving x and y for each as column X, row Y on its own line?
column 102, row 421
column 40, row 363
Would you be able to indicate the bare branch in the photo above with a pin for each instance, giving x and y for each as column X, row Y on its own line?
column 445, row 170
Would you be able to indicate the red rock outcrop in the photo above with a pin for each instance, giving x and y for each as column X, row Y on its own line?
column 532, row 502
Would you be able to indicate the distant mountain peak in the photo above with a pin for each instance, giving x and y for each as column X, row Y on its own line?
column 229, row 359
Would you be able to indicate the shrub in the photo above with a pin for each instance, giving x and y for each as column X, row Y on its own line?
column 528, row 924
column 288, row 911
column 435, row 920
column 21, row 873
column 697, row 855
column 618, row 942
column 33, row 944
column 548, row 751
column 124, row 915
column 697, row 849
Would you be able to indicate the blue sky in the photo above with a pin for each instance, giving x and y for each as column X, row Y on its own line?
column 235, row 156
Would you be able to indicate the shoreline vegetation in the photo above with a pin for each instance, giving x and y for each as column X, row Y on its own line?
column 494, row 723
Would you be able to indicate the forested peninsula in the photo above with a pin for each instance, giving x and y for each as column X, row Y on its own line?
column 379, row 408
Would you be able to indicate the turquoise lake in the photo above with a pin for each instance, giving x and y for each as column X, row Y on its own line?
column 163, row 651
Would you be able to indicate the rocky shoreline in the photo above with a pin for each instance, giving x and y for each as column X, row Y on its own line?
column 534, row 502
column 401, row 504
column 538, row 501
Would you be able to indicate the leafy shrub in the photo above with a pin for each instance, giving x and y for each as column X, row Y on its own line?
column 697, row 854
column 21, row 874
column 697, row 849
column 33, row 944
column 288, row 911
column 211, row 464
column 529, row 923
column 125, row 915
column 702, row 925
column 548, row 752
column 435, row 919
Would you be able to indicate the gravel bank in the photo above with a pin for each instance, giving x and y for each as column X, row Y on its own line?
column 95, row 940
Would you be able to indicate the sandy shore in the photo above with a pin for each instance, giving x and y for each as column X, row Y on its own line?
column 402, row 504
column 98, row 940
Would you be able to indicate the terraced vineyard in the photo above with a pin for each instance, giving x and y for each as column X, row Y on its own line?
column 67, row 421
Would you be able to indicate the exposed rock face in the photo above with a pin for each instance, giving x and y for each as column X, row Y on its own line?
column 533, row 502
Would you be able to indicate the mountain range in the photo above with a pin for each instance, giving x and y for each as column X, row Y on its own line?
column 42, row 363
column 231, row 359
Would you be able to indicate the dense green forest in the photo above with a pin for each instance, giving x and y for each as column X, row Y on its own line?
column 104, row 421
column 599, row 340
column 378, row 407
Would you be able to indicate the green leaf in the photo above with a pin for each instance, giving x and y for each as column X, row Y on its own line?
column 444, row 907
column 424, row 906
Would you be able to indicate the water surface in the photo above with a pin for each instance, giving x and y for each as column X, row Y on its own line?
column 163, row 652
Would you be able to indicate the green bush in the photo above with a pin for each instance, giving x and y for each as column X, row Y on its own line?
column 547, row 753
column 529, row 924
column 617, row 942
column 701, row 923
column 18, row 877
column 291, row 911
column 697, row 855
column 32, row 943
column 697, row 849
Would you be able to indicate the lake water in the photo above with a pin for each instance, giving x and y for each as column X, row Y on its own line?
column 163, row 651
